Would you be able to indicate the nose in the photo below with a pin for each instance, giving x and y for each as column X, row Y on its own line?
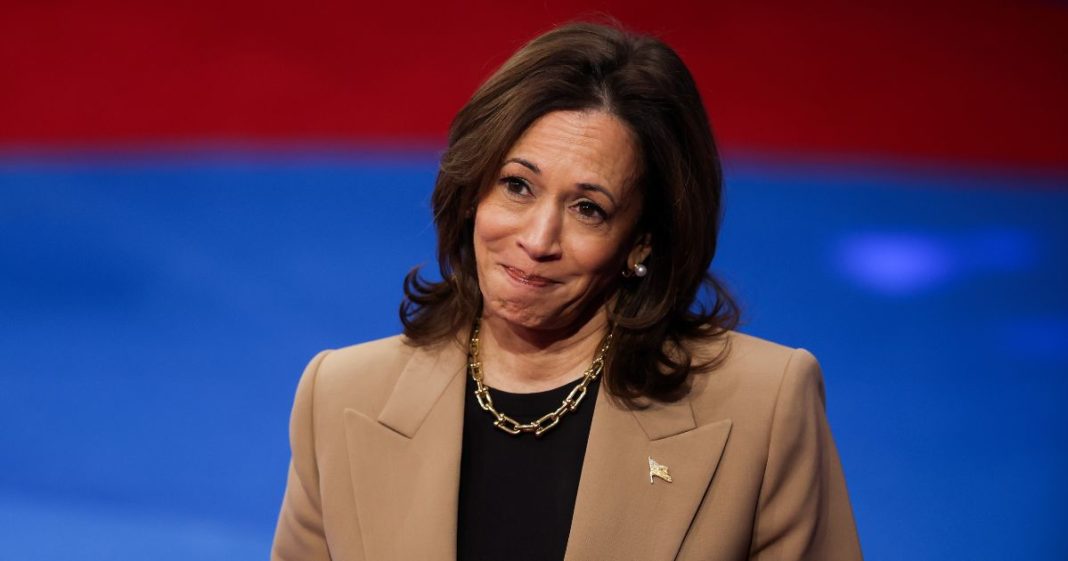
column 539, row 234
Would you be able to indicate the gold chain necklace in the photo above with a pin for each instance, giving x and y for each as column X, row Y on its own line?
column 545, row 422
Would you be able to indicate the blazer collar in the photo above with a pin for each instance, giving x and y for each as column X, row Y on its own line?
column 405, row 469
column 430, row 370
column 421, row 384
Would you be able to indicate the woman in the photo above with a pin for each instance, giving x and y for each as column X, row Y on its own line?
column 577, row 210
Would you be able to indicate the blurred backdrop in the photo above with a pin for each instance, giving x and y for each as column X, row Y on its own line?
column 196, row 197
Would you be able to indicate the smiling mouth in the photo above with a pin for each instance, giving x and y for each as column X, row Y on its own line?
column 527, row 279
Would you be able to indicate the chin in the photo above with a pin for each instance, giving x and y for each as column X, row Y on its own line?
column 522, row 316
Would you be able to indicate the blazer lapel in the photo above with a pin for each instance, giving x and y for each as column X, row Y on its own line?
column 405, row 464
column 621, row 514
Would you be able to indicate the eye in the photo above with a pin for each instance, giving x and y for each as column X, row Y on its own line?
column 591, row 211
column 515, row 185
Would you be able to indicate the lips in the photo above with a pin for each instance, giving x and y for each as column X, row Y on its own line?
column 528, row 279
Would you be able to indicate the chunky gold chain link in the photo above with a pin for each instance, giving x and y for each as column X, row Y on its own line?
column 545, row 422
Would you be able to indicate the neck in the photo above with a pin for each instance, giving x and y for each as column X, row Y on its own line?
column 521, row 360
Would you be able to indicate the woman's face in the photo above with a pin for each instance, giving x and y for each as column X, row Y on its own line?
column 555, row 229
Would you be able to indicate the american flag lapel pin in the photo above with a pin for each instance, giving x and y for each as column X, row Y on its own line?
column 658, row 470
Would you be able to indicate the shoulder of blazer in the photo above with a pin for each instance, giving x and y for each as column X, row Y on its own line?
column 746, row 383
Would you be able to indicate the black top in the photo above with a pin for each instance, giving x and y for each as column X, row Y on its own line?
column 517, row 493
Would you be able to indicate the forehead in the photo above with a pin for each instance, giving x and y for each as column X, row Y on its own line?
column 581, row 147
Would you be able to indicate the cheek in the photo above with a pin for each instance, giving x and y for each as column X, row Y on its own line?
column 599, row 258
column 491, row 225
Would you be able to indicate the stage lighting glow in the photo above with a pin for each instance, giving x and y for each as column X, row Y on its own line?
column 897, row 263
column 906, row 263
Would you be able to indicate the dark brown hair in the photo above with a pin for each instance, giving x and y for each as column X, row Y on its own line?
column 643, row 82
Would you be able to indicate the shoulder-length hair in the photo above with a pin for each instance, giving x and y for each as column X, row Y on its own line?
column 643, row 82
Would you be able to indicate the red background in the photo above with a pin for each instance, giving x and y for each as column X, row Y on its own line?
column 979, row 83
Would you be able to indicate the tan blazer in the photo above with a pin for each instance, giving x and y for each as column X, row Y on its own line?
column 376, row 434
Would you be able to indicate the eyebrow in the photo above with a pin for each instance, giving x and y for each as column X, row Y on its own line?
column 584, row 186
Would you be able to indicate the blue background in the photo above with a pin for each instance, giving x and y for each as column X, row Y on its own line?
column 156, row 312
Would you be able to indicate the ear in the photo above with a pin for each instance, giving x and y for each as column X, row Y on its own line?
column 641, row 250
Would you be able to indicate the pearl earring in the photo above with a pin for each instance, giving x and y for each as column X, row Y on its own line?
column 640, row 270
